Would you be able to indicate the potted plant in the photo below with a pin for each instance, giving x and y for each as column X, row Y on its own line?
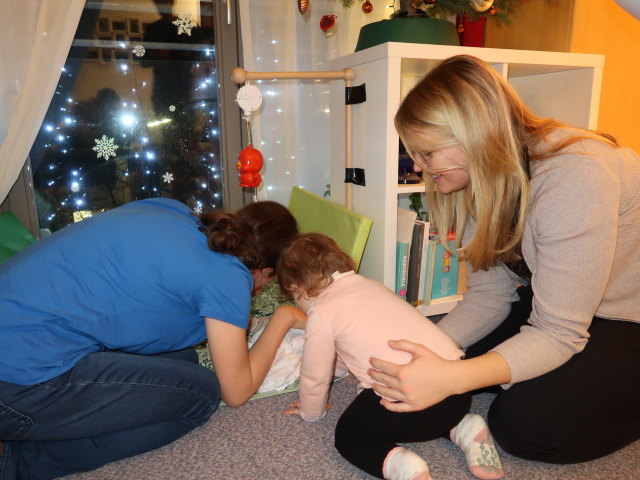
column 430, row 21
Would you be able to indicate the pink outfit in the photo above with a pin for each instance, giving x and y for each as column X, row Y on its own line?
column 354, row 318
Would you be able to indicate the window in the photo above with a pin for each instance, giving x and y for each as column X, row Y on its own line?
column 136, row 113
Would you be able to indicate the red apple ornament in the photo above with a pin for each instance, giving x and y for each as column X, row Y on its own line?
column 249, row 164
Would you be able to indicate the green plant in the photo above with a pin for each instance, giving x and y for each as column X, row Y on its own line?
column 417, row 206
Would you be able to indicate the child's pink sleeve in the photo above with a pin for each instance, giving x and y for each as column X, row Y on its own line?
column 316, row 372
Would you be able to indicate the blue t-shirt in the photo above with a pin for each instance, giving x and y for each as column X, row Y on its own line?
column 139, row 278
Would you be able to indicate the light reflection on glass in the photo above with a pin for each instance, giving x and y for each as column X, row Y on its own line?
column 159, row 113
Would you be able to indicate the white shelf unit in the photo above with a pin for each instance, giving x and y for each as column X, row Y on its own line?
column 565, row 86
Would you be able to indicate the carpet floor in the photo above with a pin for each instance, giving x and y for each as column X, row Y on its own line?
column 258, row 442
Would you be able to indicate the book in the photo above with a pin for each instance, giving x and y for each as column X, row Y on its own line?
column 404, row 234
column 441, row 269
column 423, row 264
column 445, row 270
column 429, row 261
column 415, row 263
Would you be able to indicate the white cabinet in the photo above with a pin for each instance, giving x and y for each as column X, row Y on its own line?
column 565, row 86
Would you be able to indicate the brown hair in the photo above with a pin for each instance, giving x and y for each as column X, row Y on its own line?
column 469, row 104
column 256, row 233
column 307, row 264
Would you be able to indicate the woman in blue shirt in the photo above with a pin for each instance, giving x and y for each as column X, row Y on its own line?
column 89, row 314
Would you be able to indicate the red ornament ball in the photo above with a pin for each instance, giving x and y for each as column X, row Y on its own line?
column 249, row 163
column 367, row 7
column 327, row 21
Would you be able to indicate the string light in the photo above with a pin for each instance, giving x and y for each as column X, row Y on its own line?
column 142, row 142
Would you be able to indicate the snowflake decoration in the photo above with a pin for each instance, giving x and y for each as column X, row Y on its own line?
column 75, row 187
column 172, row 108
column 139, row 51
column 198, row 210
column 167, row 177
column 184, row 23
column 105, row 147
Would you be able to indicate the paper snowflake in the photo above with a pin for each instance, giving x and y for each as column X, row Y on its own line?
column 139, row 51
column 172, row 108
column 198, row 210
column 184, row 23
column 167, row 177
column 105, row 147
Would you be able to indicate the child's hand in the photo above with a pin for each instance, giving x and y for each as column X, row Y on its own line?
column 295, row 409
column 296, row 317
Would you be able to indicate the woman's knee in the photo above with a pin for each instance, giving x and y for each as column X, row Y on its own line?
column 208, row 389
column 526, row 430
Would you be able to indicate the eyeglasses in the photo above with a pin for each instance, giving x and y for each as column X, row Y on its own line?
column 421, row 160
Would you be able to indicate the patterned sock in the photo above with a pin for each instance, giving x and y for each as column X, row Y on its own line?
column 403, row 464
column 473, row 437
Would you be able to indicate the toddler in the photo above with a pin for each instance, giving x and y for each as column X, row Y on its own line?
column 351, row 319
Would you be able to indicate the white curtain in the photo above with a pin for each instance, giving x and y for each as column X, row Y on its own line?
column 292, row 127
column 36, row 36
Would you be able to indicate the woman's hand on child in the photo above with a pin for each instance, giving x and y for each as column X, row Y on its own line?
column 294, row 409
column 297, row 317
column 423, row 382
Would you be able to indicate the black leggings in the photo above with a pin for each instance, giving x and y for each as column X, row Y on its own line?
column 366, row 432
column 585, row 409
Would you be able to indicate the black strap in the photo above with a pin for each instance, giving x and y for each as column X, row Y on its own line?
column 355, row 175
column 353, row 95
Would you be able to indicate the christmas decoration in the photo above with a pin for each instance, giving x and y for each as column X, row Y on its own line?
column 445, row 9
column 105, row 147
column 481, row 5
column 103, row 144
column 167, row 177
column 302, row 6
column 249, row 164
column 367, row 7
column 184, row 23
column 328, row 24
column 198, row 210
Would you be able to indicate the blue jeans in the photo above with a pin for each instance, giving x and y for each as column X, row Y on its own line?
column 110, row 406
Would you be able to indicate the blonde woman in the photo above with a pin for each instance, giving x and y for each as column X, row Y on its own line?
column 549, row 222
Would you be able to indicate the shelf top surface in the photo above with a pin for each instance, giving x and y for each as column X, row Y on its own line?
column 551, row 61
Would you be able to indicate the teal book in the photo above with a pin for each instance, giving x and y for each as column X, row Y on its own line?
column 445, row 270
column 402, row 268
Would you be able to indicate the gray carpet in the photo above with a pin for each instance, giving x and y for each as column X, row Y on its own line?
column 257, row 441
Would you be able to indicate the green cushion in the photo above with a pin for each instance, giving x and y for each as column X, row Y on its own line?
column 13, row 236
column 316, row 214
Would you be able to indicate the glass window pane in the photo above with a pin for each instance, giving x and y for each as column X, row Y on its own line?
column 135, row 114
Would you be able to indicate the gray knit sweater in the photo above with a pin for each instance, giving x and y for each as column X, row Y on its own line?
column 582, row 245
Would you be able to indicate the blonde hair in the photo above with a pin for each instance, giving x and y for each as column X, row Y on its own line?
column 307, row 264
column 469, row 104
